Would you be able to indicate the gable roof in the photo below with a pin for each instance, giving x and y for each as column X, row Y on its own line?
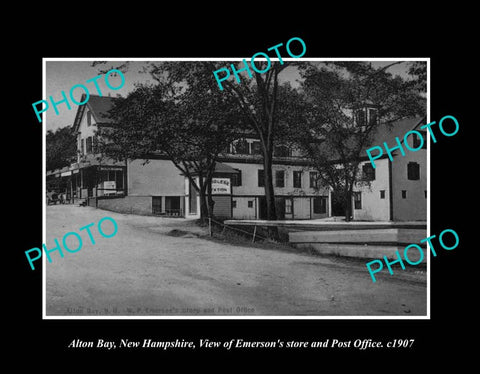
column 98, row 106
column 388, row 133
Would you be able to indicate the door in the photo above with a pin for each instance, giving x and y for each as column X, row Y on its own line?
column 338, row 205
column 262, row 208
column 280, row 207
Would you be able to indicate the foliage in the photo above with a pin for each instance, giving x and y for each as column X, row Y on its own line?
column 183, row 117
column 328, row 133
column 61, row 148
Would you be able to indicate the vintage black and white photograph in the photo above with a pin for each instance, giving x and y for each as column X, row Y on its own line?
column 242, row 188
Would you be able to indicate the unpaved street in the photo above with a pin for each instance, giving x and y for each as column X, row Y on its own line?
column 144, row 270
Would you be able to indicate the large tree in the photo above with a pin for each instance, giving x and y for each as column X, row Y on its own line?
column 182, row 116
column 332, row 132
column 61, row 148
column 260, row 101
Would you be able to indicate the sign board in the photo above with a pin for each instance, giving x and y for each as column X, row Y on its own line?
column 110, row 187
column 119, row 168
column 221, row 186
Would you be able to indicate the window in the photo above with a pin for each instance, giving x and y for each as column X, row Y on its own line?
column 280, row 178
column 424, row 136
column 95, row 145
column 288, row 206
column 234, row 203
column 320, row 205
column 119, row 179
column 281, row 151
column 250, row 203
column 237, row 178
column 227, row 149
column 261, row 178
column 368, row 172
column 404, row 194
column 425, row 194
column 382, row 194
column 413, row 171
column 313, row 179
column 82, row 146
column 357, row 200
column 360, row 117
column 156, row 204
column 172, row 205
column 256, row 148
column 372, row 117
column 242, row 147
column 416, row 141
column 89, row 118
column 297, row 179
column 89, row 145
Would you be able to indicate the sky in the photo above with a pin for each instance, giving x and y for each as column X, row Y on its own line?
column 63, row 75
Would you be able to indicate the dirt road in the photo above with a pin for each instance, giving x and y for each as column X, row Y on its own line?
column 144, row 270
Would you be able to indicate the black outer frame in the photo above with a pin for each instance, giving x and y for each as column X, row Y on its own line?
column 449, row 269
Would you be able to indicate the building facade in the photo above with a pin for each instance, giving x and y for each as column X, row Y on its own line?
column 394, row 191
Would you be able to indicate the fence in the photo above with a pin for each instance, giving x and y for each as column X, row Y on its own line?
column 255, row 235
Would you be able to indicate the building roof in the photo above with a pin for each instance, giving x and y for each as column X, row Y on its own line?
column 99, row 106
column 219, row 168
column 387, row 133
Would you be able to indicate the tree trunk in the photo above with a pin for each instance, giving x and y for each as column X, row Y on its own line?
column 203, row 207
column 348, row 205
column 269, row 191
column 211, row 202
column 203, row 198
column 270, row 195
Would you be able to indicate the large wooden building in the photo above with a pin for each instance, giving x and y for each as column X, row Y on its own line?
column 397, row 190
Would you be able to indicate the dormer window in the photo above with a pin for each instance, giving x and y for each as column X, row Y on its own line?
column 372, row 116
column 242, row 147
column 366, row 115
column 360, row 117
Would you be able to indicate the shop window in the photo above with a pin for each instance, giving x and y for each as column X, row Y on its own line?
column 119, row 179
column 279, row 178
column 297, row 179
column 357, row 200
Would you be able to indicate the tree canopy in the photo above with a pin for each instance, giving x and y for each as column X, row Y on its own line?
column 61, row 148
